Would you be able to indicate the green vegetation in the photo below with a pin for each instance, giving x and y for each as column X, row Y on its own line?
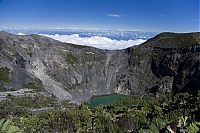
column 30, row 54
column 29, row 51
column 2, row 89
column 141, row 52
column 69, row 57
column 79, row 46
column 38, row 101
column 129, row 114
column 92, row 57
column 6, row 126
column 8, row 53
column 19, row 106
column 175, row 40
column 35, row 85
column 5, row 75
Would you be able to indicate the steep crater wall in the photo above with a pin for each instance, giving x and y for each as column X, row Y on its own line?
column 168, row 63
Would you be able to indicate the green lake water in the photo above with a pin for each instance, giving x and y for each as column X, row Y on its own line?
column 104, row 100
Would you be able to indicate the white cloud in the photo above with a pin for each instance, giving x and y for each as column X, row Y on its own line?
column 113, row 15
column 96, row 41
column 21, row 34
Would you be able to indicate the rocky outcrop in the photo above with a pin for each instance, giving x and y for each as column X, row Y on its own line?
column 175, row 57
column 168, row 63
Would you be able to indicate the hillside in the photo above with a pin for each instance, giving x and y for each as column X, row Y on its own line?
column 167, row 63
column 161, row 75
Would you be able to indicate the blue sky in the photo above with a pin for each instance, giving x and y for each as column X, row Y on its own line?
column 142, row 15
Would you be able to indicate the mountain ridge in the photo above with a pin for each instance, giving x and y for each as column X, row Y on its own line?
column 161, row 65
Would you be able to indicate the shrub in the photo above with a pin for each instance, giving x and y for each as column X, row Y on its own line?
column 6, row 126
column 4, row 75
column 35, row 85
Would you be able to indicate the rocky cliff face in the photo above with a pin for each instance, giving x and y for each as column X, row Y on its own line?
column 164, row 64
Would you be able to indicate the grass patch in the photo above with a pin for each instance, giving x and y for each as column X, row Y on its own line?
column 35, row 85
column 69, row 57
column 38, row 101
column 19, row 106
column 2, row 89
column 5, row 75
column 29, row 52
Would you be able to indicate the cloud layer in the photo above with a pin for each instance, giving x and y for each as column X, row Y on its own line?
column 96, row 41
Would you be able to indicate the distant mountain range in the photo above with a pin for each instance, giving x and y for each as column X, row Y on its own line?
column 102, row 39
column 117, row 35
